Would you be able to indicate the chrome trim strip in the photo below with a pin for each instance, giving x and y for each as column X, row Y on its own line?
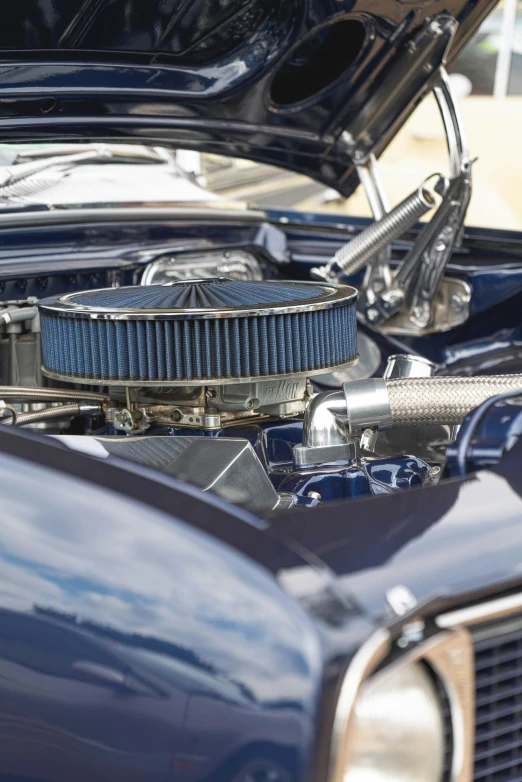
column 366, row 659
column 452, row 657
column 492, row 609
column 118, row 214
column 333, row 296
column 450, row 654
column 199, row 382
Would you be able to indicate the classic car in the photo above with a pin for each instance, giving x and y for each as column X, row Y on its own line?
column 260, row 469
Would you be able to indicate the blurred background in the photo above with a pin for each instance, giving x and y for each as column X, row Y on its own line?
column 487, row 79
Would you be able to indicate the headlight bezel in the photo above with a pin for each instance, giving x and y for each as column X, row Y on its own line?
column 449, row 654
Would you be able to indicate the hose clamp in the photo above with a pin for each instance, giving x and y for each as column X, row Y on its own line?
column 367, row 405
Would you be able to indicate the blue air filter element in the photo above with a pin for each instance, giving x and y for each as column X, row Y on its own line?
column 198, row 331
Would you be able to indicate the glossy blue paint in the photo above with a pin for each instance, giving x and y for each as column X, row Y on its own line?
column 127, row 641
column 274, row 443
column 338, row 482
column 491, row 430
column 458, row 541
column 150, row 633
column 134, row 646
column 264, row 79
column 65, row 258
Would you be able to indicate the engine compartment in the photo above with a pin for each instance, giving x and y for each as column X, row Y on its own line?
column 230, row 415
column 267, row 426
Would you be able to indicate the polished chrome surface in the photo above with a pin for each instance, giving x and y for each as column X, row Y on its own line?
column 369, row 362
column 225, row 466
column 321, row 425
column 332, row 296
column 378, row 275
column 408, row 365
column 401, row 599
column 420, row 275
column 366, row 659
column 234, row 264
column 210, row 381
column 354, row 255
column 450, row 308
column 129, row 212
column 417, row 300
column 450, row 654
column 496, row 608
column 453, row 124
column 313, row 456
column 428, row 442
column 367, row 404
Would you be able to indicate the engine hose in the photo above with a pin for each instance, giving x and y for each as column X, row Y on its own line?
column 443, row 400
column 410, row 401
column 53, row 412
column 354, row 255
column 34, row 394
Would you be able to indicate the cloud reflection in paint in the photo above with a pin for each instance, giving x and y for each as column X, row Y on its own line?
column 77, row 549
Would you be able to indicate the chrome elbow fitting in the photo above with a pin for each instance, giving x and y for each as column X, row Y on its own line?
column 325, row 437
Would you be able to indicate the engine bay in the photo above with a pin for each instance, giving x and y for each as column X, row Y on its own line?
column 273, row 360
column 264, row 391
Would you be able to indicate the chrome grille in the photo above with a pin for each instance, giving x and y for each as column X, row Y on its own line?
column 498, row 706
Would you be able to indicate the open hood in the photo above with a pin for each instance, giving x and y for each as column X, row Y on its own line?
column 310, row 85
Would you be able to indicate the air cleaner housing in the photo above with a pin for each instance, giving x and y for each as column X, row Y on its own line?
column 211, row 331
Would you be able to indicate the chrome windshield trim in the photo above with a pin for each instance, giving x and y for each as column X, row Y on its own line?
column 14, row 219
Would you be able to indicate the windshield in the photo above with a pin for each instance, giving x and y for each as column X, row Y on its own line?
column 77, row 175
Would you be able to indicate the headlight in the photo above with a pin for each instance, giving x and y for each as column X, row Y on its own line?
column 396, row 732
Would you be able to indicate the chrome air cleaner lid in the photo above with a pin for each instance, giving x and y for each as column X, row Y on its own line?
column 198, row 331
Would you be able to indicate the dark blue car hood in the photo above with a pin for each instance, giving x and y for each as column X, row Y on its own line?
column 310, row 85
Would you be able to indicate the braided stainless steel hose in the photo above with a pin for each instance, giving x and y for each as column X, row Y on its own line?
column 376, row 403
column 443, row 400
column 354, row 255
column 415, row 401
column 53, row 412
column 35, row 394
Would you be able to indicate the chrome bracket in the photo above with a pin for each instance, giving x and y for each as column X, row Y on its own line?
column 409, row 302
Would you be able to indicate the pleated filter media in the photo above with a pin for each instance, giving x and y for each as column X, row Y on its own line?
column 216, row 330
